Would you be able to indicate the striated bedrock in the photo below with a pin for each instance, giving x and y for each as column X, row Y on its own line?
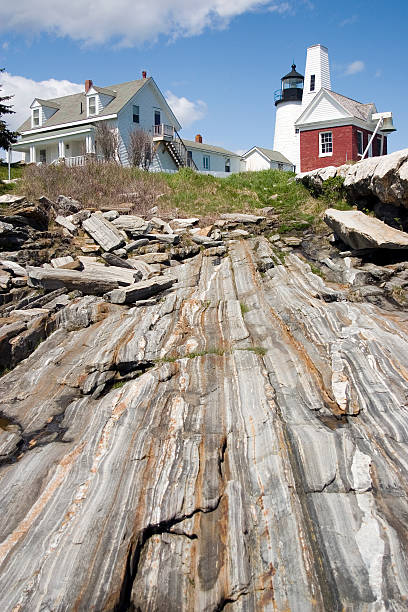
column 383, row 178
column 254, row 456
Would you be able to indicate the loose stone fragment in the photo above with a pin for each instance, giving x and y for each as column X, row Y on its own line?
column 103, row 232
column 242, row 218
column 64, row 222
column 139, row 291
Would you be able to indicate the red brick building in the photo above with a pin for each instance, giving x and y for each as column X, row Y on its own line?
column 335, row 129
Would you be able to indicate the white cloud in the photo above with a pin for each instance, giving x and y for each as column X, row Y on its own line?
column 25, row 90
column 126, row 22
column 186, row 111
column 348, row 21
column 5, row 45
column 355, row 67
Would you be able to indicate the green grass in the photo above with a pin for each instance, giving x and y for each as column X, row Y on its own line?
column 258, row 350
column 118, row 384
column 316, row 270
column 244, row 308
column 16, row 172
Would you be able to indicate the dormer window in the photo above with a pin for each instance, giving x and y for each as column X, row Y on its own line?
column 92, row 105
column 36, row 117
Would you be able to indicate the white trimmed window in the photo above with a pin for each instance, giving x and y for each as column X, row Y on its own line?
column 136, row 115
column 312, row 82
column 325, row 144
column 206, row 162
column 92, row 105
column 36, row 117
column 360, row 143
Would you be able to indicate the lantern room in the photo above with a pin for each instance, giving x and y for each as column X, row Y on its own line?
column 291, row 88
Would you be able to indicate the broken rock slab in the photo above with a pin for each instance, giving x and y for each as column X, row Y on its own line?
column 132, row 246
column 242, row 218
column 139, row 291
column 164, row 238
column 91, row 283
column 103, row 232
column 153, row 258
column 178, row 224
column 13, row 267
column 206, row 242
column 67, row 205
column 132, row 224
column 360, row 231
column 9, row 198
column 59, row 262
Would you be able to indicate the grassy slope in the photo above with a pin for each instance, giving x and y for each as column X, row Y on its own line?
column 198, row 194
column 184, row 193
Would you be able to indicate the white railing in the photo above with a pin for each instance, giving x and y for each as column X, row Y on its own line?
column 163, row 130
column 81, row 160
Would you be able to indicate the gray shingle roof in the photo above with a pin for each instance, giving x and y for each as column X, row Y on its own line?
column 207, row 147
column 271, row 155
column 70, row 106
column 357, row 109
column 48, row 103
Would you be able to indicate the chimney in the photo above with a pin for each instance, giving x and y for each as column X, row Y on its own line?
column 88, row 85
column 199, row 138
column 144, row 74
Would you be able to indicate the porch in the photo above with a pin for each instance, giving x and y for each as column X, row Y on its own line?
column 74, row 148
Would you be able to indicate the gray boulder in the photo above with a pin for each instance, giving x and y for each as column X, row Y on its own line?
column 360, row 231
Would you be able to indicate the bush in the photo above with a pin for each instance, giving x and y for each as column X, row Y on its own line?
column 333, row 189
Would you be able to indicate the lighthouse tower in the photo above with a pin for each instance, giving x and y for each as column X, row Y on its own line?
column 288, row 102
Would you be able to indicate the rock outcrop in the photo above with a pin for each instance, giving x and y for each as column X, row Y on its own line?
column 237, row 444
column 383, row 178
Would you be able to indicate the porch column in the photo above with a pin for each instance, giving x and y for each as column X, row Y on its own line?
column 90, row 143
column 61, row 148
column 32, row 154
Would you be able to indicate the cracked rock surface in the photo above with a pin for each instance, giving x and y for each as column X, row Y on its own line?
column 239, row 444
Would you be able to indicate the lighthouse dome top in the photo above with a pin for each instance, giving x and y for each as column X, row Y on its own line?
column 293, row 74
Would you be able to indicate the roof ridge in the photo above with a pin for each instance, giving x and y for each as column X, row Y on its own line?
column 347, row 97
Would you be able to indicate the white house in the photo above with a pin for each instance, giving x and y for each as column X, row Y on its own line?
column 64, row 128
column 259, row 158
column 212, row 159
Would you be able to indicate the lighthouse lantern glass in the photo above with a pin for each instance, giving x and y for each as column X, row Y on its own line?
column 292, row 83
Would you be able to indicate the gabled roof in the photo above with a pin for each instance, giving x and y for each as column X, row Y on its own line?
column 342, row 104
column 48, row 103
column 105, row 90
column 192, row 144
column 357, row 109
column 69, row 107
column 270, row 154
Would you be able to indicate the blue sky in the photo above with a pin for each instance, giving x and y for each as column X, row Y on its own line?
column 218, row 64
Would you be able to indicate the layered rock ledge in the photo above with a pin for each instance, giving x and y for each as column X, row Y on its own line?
column 240, row 443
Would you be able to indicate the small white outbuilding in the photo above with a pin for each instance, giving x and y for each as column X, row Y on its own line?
column 259, row 158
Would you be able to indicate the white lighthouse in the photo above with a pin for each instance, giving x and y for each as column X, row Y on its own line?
column 288, row 102
column 295, row 95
